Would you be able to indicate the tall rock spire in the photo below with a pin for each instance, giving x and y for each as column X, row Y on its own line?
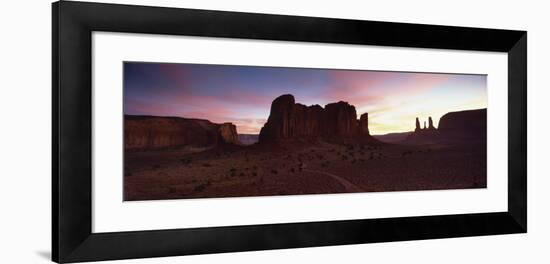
column 364, row 124
column 417, row 125
column 424, row 124
column 430, row 123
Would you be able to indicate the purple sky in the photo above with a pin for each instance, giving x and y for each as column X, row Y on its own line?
column 243, row 94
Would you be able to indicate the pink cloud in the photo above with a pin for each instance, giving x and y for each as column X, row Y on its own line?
column 370, row 88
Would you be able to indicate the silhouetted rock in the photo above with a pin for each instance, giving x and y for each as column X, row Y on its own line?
column 393, row 137
column 469, row 125
column 280, row 121
column 340, row 120
column 364, row 124
column 153, row 132
column 417, row 125
column 454, row 127
column 314, row 119
column 336, row 122
column 430, row 123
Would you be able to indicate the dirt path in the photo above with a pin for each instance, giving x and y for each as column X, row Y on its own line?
column 350, row 187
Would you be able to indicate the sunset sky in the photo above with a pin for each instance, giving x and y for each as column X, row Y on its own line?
column 243, row 94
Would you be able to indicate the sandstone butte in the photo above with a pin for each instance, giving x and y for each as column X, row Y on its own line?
column 154, row 132
column 336, row 122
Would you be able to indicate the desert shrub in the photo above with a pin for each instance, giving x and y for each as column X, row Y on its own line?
column 207, row 165
column 241, row 174
column 171, row 189
column 156, row 166
column 292, row 170
column 254, row 174
column 274, row 171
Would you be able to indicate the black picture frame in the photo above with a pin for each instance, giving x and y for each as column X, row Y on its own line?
column 73, row 24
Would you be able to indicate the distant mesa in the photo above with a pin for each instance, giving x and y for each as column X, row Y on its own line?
column 336, row 122
column 394, row 138
column 154, row 132
column 464, row 126
column 248, row 139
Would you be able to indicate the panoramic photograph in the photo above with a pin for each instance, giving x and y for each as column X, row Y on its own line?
column 212, row 131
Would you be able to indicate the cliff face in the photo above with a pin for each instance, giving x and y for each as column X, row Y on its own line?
column 341, row 120
column 469, row 124
column 334, row 122
column 288, row 119
column 150, row 132
column 228, row 133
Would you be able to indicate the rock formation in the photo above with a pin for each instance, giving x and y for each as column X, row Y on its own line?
column 469, row 124
column 336, row 122
column 228, row 133
column 340, row 120
column 152, row 132
column 364, row 124
column 430, row 123
column 464, row 126
column 429, row 127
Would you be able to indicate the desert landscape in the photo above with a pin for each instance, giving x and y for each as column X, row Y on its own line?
column 300, row 150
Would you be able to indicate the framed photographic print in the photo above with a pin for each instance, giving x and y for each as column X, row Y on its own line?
column 179, row 131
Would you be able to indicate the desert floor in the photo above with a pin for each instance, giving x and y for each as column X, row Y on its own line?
column 305, row 169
